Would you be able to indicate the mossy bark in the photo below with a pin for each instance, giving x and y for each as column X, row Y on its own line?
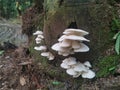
column 87, row 15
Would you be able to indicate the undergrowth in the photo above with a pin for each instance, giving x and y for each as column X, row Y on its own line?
column 107, row 65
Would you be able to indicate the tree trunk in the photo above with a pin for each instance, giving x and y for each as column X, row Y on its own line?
column 81, row 14
column 93, row 16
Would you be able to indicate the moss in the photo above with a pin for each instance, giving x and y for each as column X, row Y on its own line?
column 107, row 65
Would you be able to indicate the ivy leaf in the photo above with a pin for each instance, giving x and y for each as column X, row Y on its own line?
column 117, row 45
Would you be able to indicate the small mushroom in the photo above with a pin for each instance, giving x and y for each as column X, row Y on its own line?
column 71, row 72
column 40, row 36
column 65, row 43
column 65, row 65
column 70, row 61
column 41, row 48
column 78, row 32
column 74, row 37
column 51, row 56
column 45, row 54
column 90, row 74
column 80, row 68
column 38, row 33
column 87, row 63
column 75, row 44
column 83, row 48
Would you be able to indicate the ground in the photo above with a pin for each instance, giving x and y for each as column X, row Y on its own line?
column 19, row 72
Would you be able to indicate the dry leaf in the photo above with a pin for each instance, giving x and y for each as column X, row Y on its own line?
column 22, row 80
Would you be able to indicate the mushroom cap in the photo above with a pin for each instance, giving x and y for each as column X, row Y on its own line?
column 38, row 39
column 62, row 38
column 74, row 37
column 71, row 72
column 80, row 68
column 57, row 47
column 70, row 61
column 51, row 56
column 64, row 65
column 83, row 48
column 75, row 44
column 45, row 54
column 78, row 32
column 90, row 74
column 40, row 48
column 40, row 36
column 87, row 63
column 77, row 75
column 65, row 43
column 38, row 42
column 38, row 33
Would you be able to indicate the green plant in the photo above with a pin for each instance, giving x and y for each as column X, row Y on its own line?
column 1, row 52
column 116, row 27
column 107, row 65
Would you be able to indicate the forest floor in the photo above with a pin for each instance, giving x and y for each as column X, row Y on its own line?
column 18, row 71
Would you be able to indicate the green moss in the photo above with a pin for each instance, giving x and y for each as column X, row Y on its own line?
column 107, row 65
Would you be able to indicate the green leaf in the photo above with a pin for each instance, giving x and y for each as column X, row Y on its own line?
column 55, row 83
column 116, row 35
column 112, row 68
column 117, row 45
column 1, row 52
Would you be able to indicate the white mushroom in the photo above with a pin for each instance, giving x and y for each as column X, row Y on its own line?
column 40, row 36
column 38, row 39
column 45, row 54
column 80, row 68
column 71, row 72
column 83, row 48
column 90, row 74
column 65, row 43
column 74, row 37
column 51, row 56
column 41, row 48
column 38, row 33
column 75, row 44
column 65, row 66
column 70, row 61
column 87, row 63
column 62, row 38
column 78, row 32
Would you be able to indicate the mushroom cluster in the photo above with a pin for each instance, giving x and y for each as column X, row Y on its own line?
column 71, row 42
column 76, row 69
column 42, row 48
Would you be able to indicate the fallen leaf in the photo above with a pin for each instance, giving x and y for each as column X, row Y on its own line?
column 22, row 80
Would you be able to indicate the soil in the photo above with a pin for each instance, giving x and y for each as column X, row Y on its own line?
column 18, row 71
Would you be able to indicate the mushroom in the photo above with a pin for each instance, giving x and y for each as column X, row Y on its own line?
column 41, row 48
column 38, row 33
column 78, row 32
column 65, row 65
column 49, row 55
column 74, row 37
column 83, row 48
column 71, row 72
column 87, row 64
column 79, row 67
column 70, row 61
column 65, row 43
column 90, row 74
column 40, row 36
